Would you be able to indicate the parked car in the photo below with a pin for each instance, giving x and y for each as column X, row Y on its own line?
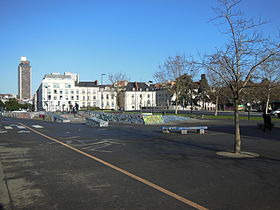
column 275, row 112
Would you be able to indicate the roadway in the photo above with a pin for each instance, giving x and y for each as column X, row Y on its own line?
column 48, row 165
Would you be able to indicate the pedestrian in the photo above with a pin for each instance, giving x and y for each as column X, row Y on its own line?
column 267, row 122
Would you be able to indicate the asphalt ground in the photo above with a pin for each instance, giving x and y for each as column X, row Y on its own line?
column 59, row 166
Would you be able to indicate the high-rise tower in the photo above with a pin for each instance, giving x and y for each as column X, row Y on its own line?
column 24, row 79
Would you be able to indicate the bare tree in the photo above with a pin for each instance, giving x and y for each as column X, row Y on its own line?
column 119, row 81
column 243, row 53
column 270, row 75
column 169, row 73
column 216, row 89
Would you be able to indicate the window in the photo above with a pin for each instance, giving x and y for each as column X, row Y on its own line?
column 55, row 85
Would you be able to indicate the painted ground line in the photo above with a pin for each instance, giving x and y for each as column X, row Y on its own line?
column 3, row 131
column 20, row 127
column 8, row 127
column 144, row 181
column 37, row 126
column 23, row 131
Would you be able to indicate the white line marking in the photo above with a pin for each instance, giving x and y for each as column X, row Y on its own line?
column 23, row 131
column 37, row 126
column 20, row 127
column 3, row 131
column 8, row 127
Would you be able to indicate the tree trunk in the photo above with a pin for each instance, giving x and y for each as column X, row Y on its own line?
column 217, row 106
column 237, row 143
column 176, row 106
column 267, row 101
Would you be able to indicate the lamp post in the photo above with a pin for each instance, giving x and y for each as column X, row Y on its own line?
column 249, row 109
column 47, row 98
column 102, row 78
column 191, row 92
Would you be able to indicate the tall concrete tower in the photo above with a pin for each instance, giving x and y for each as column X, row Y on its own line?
column 24, row 79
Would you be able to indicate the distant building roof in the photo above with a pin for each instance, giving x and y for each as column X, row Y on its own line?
column 138, row 86
column 86, row 84
column 57, row 76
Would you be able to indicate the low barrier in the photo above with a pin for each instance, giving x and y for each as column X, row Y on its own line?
column 144, row 118
column 152, row 119
column 57, row 118
column 93, row 121
column 48, row 116
column 114, row 117
column 25, row 115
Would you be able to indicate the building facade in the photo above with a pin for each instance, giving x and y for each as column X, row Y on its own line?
column 137, row 95
column 6, row 97
column 61, row 92
column 24, row 79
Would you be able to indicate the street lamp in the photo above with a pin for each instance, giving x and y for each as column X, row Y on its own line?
column 191, row 92
column 102, row 78
column 249, row 109
column 47, row 98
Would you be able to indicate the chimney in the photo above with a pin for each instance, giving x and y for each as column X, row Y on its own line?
column 203, row 76
column 136, row 85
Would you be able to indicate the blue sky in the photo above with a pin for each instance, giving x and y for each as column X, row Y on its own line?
column 94, row 37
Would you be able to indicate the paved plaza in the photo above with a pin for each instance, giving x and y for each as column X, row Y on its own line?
column 47, row 165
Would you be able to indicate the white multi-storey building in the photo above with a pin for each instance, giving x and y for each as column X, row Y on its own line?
column 136, row 95
column 61, row 92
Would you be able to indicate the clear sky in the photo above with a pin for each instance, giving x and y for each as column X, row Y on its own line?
column 93, row 37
